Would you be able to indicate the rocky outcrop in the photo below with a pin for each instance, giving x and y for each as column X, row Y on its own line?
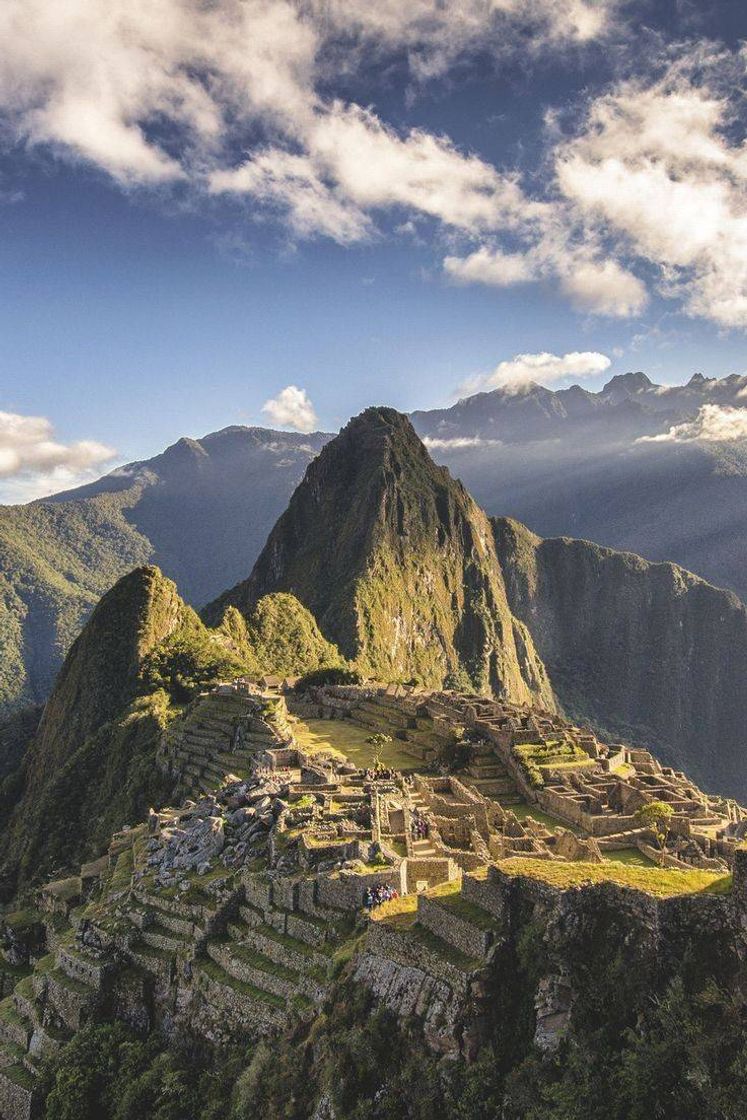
column 647, row 652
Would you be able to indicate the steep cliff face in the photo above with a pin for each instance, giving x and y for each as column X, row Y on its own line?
column 647, row 651
column 397, row 564
column 571, row 462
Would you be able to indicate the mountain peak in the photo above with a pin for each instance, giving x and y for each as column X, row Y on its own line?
column 631, row 382
column 397, row 564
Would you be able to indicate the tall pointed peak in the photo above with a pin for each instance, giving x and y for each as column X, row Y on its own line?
column 99, row 676
column 397, row 564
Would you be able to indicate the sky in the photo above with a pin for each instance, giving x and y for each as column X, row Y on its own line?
column 278, row 212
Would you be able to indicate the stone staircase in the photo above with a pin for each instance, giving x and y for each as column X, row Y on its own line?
column 488, row 776
column 421, row 849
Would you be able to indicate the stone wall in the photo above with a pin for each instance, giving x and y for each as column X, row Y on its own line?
column 433, row 870
column 16, row 1101
column 452, row 928
column 400, row 947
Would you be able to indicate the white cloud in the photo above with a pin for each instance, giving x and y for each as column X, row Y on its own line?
column 601, row 287
column 457, row 443
column 153, row 92
column 435, row 34
column 291, row 408
column 714, row 423
column 27, row 445
column 169, row 92
column 33, row 463
column 544, row 368
column 655, row 169
column 293, row 183
column 490, row 266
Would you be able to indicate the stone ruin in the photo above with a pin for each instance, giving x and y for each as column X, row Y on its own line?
column 227, row 911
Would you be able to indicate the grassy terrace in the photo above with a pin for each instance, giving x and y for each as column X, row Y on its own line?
column 524, row 810
column 662, row 882
column 220, row 976
column 553, row 753
column 343, row 738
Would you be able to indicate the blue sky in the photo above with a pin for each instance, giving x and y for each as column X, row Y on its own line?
column 372, row 206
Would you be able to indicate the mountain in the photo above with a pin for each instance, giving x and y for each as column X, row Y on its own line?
column 397, row 564
column 201, row 511
column 648, row 652
column 577, row 463
column 404, row 572
column 91, row 762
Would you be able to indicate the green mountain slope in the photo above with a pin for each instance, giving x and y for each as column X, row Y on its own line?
column 201, row 511
column 648, row 652
column 90, row 764
column 397, row 564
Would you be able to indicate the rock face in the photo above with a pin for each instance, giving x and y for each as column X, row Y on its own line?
column 201, row 511
column 648, row 652
column 398, row 566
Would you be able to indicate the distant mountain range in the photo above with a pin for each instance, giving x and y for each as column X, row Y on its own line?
column 566, row 462
column 201, row 511
column 575, row 463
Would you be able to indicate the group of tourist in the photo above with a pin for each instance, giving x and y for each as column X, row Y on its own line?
column 380, row 774
column 376, row 896
column 419, row 826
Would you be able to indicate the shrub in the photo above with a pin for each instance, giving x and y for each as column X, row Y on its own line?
column 332, row 674
column 379, row 739
column 188, row 663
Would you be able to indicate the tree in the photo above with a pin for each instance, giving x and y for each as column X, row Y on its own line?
column 657, row 816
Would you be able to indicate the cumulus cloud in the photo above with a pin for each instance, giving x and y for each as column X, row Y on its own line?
column 168, row 93
column 654, row 167
column 524, row 369
column 33, row 463
column 714, row 423
column 27, row 445
column 294, row 184
column 599, row 286
column 153, row 94
column 291, row 408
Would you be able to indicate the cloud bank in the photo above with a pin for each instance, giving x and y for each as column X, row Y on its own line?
column 291, row 408
column 714, row 424
column 545, row 368
column 231, row 98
